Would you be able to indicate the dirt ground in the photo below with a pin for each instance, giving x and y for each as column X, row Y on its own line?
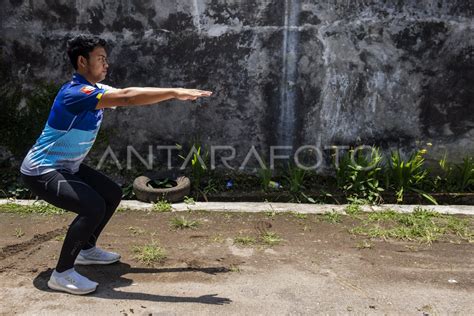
column 318, row 268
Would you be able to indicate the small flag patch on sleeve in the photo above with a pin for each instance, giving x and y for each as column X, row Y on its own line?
column 87, row 89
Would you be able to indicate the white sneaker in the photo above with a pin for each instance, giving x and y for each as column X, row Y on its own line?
column 72, row 282
column 96, row 256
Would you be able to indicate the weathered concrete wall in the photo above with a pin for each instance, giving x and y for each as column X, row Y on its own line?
column 284, row 72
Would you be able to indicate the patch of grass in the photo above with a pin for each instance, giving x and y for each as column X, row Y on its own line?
column 183, row 223
column 217, row 238
column 162, row 206
column 245, row 240
column 382, row 216
column 332, row 217
column 298, row 215
column 234, row 268
column 229, row 216
column 353, row 209
column 149, row 254
column 271, row 238
column 189, row 200
column 36, row 208
column 364, row 244
column 271, row 213
column 19, row 233
column 422, row 225
column 135, row 231
column 60, row 238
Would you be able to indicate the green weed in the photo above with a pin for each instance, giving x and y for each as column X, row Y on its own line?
column 422, row 225
column 162, row 206
column 135, row 231
column 35, row 208
column 332, row 217
column 189, row 200
column 19, row 233
column 149, row 254
column 364, row 244
column 245, row 240
column 298, row 215
column 271, row 238
column 358, row 174
column 408, row 175
column 183, row 223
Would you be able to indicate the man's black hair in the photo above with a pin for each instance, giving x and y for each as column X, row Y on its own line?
column 82, row 45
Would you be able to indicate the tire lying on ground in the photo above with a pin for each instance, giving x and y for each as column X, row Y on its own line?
column 146, row 193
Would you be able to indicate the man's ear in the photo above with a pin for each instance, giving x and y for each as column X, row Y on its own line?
column 81, row 61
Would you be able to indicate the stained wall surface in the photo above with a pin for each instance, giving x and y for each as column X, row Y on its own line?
column 284, row 72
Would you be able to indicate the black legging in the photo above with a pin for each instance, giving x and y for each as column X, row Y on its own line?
column 90, row 194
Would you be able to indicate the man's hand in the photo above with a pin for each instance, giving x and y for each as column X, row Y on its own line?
column 191, row 94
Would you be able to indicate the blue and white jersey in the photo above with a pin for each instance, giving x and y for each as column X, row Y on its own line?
column 70, row 131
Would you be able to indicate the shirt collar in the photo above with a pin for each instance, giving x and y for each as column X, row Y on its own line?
column 76, row 77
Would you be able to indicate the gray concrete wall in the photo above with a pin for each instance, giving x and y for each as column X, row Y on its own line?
column 284, row 72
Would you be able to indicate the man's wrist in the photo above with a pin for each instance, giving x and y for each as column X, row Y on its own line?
column 174, row 92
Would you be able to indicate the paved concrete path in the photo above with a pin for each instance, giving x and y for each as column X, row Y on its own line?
column 281, row 207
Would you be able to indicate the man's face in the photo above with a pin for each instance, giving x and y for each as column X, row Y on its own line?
column 96, row 65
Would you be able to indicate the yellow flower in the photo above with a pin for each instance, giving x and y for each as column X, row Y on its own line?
column 423, row 151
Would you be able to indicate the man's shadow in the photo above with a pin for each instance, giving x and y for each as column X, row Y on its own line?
column 111, row 277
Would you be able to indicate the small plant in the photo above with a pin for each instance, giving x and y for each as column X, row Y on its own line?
column 189, row 200
column 217, row 238
column 60, row 238
column 20, row 128
column 455, row 177
column 182, row 223
column 364, row 244
column 127, row 192
column 245, row 240
column 19, row 233
column 358, row 175
column 464, row 175
column 162, row 206
column 271, row 213
column 199, row 157
column 295, row 179
column 298, row 215
column 135, row 230
column 162, row 183
column 149, row 254
column 408, row 175
column 332, row 217
column 211, row 187
column 307, row 198
column 271, row 238
column 234, row 268
column 353, row 209
column 265, row 175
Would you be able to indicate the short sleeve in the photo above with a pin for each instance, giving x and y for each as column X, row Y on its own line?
column 106, row 87
column 81, row 98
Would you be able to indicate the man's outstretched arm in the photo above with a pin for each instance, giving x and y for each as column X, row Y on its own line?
column 144, row 96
